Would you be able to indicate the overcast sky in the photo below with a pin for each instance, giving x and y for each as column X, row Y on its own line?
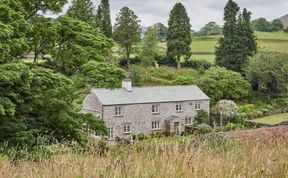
column 199, row 11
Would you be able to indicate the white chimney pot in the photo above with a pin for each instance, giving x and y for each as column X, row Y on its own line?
column 127, row 85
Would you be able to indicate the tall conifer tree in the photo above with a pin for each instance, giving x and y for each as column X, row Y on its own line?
column 127, row 31
column 104, row 18
column 239, row 41
column 82, row 10
column 179, row 34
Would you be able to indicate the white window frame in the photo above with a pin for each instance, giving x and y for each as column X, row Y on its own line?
column 155, row 108
column 111, row 132
column 156, row 125
column 179, row 107
column 188, row 121
column 118, row 111
column 198, row 105
column 127, row 129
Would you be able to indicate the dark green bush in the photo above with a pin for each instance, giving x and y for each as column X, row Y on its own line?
column 136, row 60
column 197, row 64
column 203, row 128
column 165, row 60
column 202, row 117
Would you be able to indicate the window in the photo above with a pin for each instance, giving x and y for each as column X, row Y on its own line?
column 155, row 108
column 155, row 125
column 127, row 128
column 188, row 121
column 110, row 129
column 118, row 111
column 179, row 107
column 198, row 105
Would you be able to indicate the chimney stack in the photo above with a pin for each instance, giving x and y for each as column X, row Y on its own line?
column 127, row 85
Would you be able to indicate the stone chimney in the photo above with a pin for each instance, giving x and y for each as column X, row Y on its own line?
column 127, row 85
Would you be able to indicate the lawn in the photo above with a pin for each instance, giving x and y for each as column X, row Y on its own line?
column 272, row 120
column 208, row 58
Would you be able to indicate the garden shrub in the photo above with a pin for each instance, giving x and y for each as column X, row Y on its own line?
column 165, row 60
column 136, row 60
column 183, row 80
column 203, row 128
column 197, row 64
column 233, row 127
column 202, row 117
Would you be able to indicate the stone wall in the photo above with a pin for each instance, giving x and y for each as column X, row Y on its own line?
column 140, row 116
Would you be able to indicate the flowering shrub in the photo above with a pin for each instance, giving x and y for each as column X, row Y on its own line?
column 228, row 109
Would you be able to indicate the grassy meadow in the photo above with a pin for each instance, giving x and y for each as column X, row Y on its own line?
column 272, row 120
column 272, row 42
column 164, row 157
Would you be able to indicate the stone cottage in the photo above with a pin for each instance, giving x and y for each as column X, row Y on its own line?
column 135, row 110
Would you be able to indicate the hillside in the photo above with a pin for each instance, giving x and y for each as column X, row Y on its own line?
column 203, row 47
column 284, row 19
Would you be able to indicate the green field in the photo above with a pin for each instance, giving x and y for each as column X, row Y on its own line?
column 272, row 120
column 272, row 42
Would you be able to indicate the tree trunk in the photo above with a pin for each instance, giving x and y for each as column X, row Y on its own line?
column 269, row 93
column 35, row 56
column 128, row 57
column 178, row 63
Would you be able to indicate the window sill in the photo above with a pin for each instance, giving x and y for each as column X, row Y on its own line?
column 156, row 129
column 118, row 116
column 156, row 113
column 179, row 111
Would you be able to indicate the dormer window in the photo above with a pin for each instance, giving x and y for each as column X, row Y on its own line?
column 179, row 107
column 118, row 111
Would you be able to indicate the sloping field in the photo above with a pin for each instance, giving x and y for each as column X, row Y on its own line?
column 272, row 120
column 203, row 47
column 262, row 133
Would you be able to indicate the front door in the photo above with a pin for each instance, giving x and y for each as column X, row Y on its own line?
column 177, row 128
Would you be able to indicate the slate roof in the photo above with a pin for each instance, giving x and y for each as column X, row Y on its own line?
column 140, row 95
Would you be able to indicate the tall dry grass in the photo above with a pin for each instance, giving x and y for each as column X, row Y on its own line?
column 166, row 157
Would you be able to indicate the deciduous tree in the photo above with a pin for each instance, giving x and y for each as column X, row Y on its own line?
column 102, row 74
column 77, row 44
column 149, row 48
column 268, row 73
column 13, row 31
column 219, row 83
column 37, row 104
column 43, row 35
column 32, row 7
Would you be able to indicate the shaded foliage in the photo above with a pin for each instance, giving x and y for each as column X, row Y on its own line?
column 102, row 74
column 78, row 43
column 268, row 72
column 38, row 103
column 13, row 31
